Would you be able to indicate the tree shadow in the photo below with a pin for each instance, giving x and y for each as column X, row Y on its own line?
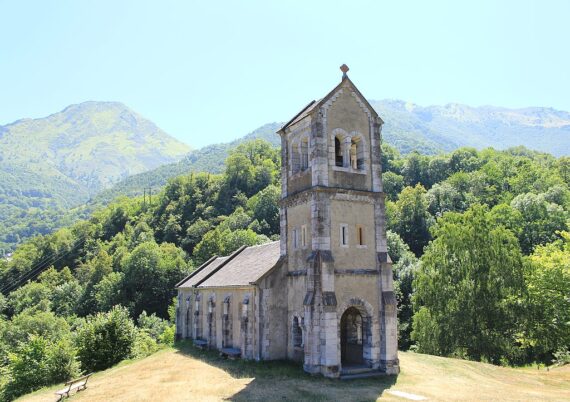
column 285, row 380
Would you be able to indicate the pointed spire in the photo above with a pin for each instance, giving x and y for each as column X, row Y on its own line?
column 344, row 68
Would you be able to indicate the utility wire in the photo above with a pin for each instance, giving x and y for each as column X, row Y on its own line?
column 38, row 268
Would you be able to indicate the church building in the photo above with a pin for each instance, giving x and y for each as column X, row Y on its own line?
column 322, row 295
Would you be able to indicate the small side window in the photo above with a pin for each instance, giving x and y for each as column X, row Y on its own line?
column 360, row 235
column 344, row 235
column 295, row 238
column 304, row 154
column 304, row 236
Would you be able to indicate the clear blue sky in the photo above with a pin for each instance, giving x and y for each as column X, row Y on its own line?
column 212, row 71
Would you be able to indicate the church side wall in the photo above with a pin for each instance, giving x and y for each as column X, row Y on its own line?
column 273, row 315
column 234, row 331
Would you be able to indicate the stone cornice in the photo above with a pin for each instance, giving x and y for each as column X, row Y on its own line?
column 336, row 193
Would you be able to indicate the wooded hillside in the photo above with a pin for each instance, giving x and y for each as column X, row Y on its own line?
column 479, row 241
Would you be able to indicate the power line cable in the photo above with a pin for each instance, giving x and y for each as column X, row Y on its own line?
column 38, row 268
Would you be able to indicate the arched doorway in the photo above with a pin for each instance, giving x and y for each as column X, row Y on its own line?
column 351, row 338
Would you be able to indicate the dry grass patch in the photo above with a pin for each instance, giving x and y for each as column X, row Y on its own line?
column 186, row 374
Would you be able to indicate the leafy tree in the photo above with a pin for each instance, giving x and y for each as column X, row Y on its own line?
column 38, row 363
column 464, row 160
column 144, row 345
column 443, row 197
column 65, row 298
column 411, row 219
column 105, row 339
column 415, row 170
column 92, row 273
column 34, row 295
column 540, row 218
column 3, row 305
column 438, row 169
column 265, row 208
column 224, row 242
column 151, row 324
column 109, row 291
column 391, row 159
column 195, row 233
column 404, row 269
column 548, row 280
column 239, row 219
column 393, row 184
column 150, row 273
column 44, row 324
column 467, row 289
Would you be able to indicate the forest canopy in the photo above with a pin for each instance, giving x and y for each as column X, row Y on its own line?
column 479, row 240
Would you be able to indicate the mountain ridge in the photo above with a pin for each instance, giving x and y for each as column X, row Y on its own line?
column 37, row 188
column 59, row 161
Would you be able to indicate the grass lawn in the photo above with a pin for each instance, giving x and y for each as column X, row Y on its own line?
column 186, row 374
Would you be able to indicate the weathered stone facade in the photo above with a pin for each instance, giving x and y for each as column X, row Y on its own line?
column 323, row 295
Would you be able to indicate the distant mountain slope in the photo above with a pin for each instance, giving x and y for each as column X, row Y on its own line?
column 62, row 160
column 90, row 146
column 408, row 127
column 452, row 126
column 93, row 144
column 208, row 159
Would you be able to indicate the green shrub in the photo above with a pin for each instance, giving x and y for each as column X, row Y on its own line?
column 36, row 364
column 30, row 322
column 144, row 345
column 152, row 325
column 562, row 357
column 167, row 337
column 105, row 339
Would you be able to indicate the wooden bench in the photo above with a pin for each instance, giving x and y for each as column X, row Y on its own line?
column 231, row 353
column 78, row 384
column 201, row 344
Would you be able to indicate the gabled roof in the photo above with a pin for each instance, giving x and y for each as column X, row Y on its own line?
column 317, row 104
column 246, row 267
column 203, row 272
column 242, row 268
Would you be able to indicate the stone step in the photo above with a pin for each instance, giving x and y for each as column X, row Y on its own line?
column 356, row 370
column 367, row 374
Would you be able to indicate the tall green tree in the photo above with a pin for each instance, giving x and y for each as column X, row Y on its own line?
column 548, row 279
column 411, row 219
column 468, row 289
column 150, row 273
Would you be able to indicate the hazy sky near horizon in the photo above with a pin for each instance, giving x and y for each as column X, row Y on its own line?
column 212, row 71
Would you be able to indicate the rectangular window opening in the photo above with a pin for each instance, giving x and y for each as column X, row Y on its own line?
column 344, row 235
column 304, row 236
column 360, row 235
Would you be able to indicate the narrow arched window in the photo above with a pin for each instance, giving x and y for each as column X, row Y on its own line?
column 295, row 159
column 304, row 154
column 357, row 153
column 338, row 152
column 297, row 333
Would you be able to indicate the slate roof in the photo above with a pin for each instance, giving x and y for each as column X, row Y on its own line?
column 244, row 266
column 302, row 114
column 202, row 272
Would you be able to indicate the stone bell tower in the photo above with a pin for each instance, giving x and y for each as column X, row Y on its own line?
column 341, row 304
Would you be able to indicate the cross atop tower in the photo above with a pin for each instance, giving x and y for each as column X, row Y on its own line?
column 344, row 68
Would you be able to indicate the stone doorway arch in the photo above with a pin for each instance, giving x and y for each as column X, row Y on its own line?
column 352, row 337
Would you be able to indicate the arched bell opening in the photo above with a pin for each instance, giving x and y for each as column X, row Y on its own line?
column 338, row 154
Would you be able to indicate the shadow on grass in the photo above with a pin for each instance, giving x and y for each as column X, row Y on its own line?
column 285, row 380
